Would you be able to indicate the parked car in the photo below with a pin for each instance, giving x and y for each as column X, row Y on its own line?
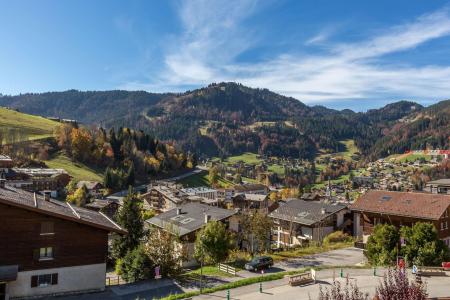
column 446, row 265
column 259, row 263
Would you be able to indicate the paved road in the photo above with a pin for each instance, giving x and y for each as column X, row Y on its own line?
column 436, row 286
column 342, row 257
column 155, row 289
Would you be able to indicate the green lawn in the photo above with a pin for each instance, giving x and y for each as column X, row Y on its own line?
column 414, row 157
column 248, row 157
column 18, row 127
column 209, row 271
column 276, row 169
column 77, row 170
column 201, row 179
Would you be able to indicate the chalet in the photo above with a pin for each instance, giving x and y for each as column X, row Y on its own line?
column 250, row 202
column 94, row 187
column 441, row 186
column 298, row 221
column 401, row 209
column 38, row 179
column 164, row 196
column 310, row 197
column 204, row 192
column 50, row 247
column 251, row 188
column 363, row 181
column 186, row 220
column 5, row 162
column 105, row 206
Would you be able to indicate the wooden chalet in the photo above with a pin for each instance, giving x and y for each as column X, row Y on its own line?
column 401, row 209
column 49, row 247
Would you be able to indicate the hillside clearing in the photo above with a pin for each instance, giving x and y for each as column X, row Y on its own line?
column 78, row 171
column 18, row 127
column 201, row 179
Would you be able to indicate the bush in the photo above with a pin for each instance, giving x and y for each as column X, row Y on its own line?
column 382, row 245
column 337, row 237
column 136, row 265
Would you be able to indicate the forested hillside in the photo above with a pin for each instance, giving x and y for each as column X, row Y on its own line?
column 228, row 118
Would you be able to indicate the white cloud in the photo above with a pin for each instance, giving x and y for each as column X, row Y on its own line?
column 214, row 37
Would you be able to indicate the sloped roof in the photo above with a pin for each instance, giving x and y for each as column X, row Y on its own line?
column 90, row 185
column 416, row 205
column 34, row 202
column 191, row 218
column 249, row 187
column 445, row 181
column 305, row 212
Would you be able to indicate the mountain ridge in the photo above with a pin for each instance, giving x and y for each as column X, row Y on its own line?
column 229, row 118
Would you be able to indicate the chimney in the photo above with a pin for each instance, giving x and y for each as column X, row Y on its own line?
column 47, row 195
column 178, row 211
column 2, row 183
column 207, row 218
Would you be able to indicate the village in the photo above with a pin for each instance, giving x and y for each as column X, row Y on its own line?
column 259, row 225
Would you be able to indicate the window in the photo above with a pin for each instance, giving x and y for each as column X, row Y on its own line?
column 46, row 253
column 47, row 228
column 445, row 225
column 44, row 280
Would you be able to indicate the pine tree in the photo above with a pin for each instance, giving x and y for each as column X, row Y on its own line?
column 130, row 218
column 130, row 175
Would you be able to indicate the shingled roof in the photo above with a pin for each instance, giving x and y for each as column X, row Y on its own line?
column 188, row 217
column 416, row 205
column 34, row 202
column 305, row 212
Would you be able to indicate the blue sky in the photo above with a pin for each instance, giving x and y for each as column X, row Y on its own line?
column 341, row 54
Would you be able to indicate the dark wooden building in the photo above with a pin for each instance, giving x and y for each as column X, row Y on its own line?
column 401, row 209
column 49, row 247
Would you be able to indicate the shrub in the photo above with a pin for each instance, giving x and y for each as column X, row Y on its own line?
column 382, row 245
column 136, row 265
column 337, row 237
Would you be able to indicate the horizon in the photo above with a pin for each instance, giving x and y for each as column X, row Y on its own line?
column 337, row 106
column 356, row 56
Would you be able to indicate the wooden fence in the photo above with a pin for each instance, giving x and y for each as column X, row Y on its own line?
column 227, row 269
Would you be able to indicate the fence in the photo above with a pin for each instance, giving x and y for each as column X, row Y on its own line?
column 227, row 269
column 360, row 245
column 116, row 280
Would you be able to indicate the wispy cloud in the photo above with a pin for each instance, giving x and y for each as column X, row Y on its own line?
column 214, row 36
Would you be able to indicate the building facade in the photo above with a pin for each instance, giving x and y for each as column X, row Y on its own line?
column 49, row 247
column 401, row 209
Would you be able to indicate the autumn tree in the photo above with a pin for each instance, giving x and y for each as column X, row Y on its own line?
column 213, row 243
column 80, row 197
column 81, row 143
column 164, row 250
column 213, row 175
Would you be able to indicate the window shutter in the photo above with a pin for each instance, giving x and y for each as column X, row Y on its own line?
column 55, row 278
column 34, row 281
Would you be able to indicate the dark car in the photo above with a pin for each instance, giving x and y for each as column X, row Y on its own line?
column 259, row 263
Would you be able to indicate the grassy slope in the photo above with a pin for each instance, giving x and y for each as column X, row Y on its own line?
column 77, row 170
column 29, row 127
column 201, row 179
